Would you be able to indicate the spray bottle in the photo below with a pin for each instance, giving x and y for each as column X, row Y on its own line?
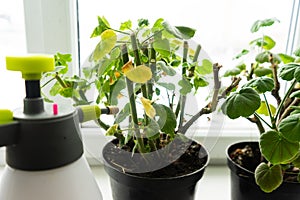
column 44, row 150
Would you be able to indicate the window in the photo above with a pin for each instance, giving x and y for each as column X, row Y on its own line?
column 12, row 41
column 222, row 29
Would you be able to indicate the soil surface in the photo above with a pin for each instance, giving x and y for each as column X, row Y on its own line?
column 249, row 157
column 179, row 157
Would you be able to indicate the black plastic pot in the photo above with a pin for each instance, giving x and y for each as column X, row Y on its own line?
column 243, row 186
column 135, row 187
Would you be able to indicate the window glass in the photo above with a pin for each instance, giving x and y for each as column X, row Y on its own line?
column 12, row 42
column 223, row 26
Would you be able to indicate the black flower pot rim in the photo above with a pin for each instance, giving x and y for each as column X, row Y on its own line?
column 107, row 164
column 231, row 163
column 235, row 166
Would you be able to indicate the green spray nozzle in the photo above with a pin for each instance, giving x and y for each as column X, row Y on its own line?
column 31, row 66
column 6, row 116
column 93, row 112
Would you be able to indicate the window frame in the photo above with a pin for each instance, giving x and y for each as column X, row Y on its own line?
column 61, row 18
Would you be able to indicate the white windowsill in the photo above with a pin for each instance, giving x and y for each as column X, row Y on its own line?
column 214, row 178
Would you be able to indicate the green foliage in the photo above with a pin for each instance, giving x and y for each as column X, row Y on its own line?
column 263, row 79
column 133, row 64
column 268, row 178
column 246, row 98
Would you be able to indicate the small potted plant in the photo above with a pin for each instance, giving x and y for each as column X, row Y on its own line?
column 150, row 72
column 268, row 168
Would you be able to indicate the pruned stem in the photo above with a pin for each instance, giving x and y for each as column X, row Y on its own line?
column 210, row 107
column 275, row 91
column 183, row 97
column 258, row 123
column 197, row 52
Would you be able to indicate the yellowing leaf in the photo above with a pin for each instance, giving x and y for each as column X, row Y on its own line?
column 127, row 67
column 107, row 43
column 264, row 110
column 149, row 109
column 112, row 130
column 139, row 74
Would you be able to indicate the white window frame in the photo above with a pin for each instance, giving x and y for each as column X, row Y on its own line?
column 61, row 35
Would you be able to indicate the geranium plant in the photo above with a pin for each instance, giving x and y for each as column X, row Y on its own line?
column 134, row 63
column 263, row 100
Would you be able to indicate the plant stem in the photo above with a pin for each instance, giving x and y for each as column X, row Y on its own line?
column 275, row 91
column 61, row 82
column 49, row 81
column 197, row 52
column 281, row 105
column 209, row 108
column 260, row 118
column 131, row 95
column 152, row 64
column 183, row 97
column 102, row 124
column 138, row 60
column 289, row 109
column 258, row 123
column 273, row 122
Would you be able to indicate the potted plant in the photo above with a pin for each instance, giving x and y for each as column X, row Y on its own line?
column 150, row 72
column 268, row 168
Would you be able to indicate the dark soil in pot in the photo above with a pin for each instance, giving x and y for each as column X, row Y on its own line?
column 242, row 159
column 168, row 173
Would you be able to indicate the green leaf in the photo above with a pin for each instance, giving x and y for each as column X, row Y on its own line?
column 243, row 52
column 262, row 71
column 116, row 90
column 296, row 162
column 126, row 25
column 290, row 127
column 263, row 57
column 241, row 66
column 152, row 129
column 123, row 114
column 186, row 32
column 55, row 89
column 200, row 82
column 268, row 178
column 276, row 148
column 157, row 25
column 112, row 130
column 296, row 94
column 265, row 42
column 232, row 72
column 242, row 103
column 162, row 46
column 186, row 86
column 107, row 43
column 180, row 32
column 264, row 110
column 168, row 86
column 66, row 92
column 290, row 71
column 103, row 25
column 263, row 23
column 167, row 69
column 286, row 58
column 261, row 84
column 206, row 68
column 103, row 66
column 167, row 120
column 143, row 22
column 297, row 52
